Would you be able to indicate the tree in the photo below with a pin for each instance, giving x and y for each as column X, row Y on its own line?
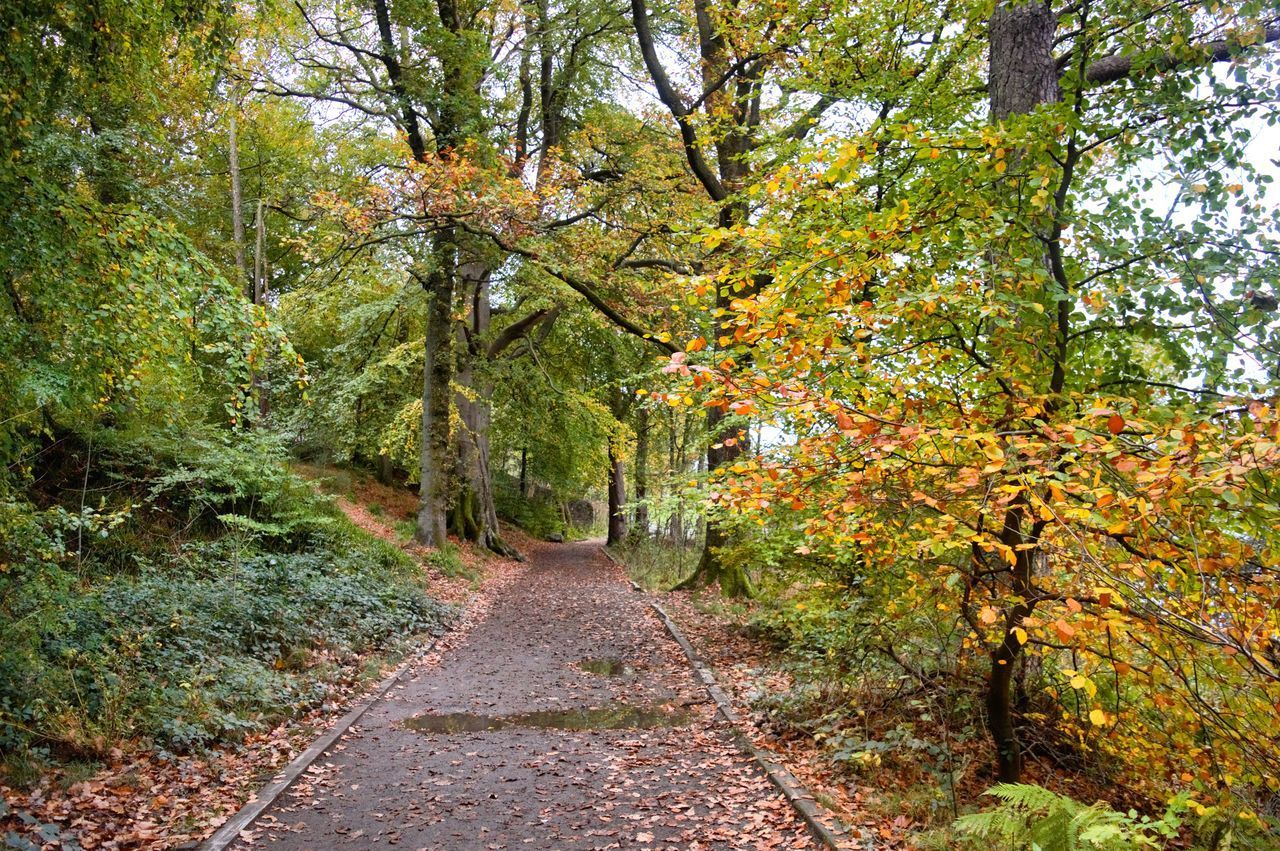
column 1014, row 367
column 432, row 86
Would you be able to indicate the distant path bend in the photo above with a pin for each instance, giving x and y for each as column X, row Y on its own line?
column 680, row 785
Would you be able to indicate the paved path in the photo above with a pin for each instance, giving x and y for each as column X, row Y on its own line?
column 669, row 777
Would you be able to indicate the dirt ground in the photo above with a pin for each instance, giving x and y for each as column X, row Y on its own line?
column 508, row 739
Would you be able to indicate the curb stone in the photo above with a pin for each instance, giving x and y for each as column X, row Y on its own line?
column 260, row 801
column 824, row 826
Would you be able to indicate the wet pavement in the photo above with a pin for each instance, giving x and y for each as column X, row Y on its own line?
column 565, row 718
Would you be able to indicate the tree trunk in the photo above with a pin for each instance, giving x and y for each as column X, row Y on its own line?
column 712, row 569
column 1022, row 76
column 383, row 469
column 1022, row 72
column 259, row 299
column 1000, row 713
column 733, row 97
column 436, row 457
column 617, row 499
column 524, row 472
column 675, row 463
column 475, row 512
column 237, row 208
column 640, row 528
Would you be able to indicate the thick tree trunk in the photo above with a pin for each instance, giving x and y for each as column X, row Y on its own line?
column 1022, row 76
column 1022, row 72
column 731, row 95
column 436, row 455
column 617, row 499
column 676, row 456
column 475, row 515
column 619, row 404
column 712, row 569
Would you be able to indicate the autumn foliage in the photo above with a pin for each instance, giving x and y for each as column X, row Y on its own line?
column 1015, row 446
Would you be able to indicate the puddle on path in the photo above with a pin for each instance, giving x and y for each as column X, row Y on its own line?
column 611, row 716
column 606, row 667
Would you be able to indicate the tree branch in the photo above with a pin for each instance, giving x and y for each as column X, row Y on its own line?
column 1111, row 69
column 578, row 285
column 516, row 330
column 671, row 99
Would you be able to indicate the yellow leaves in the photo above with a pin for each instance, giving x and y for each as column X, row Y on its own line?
column 714, row 237
column 995, row 455
column 1019, row 635
column 1080, row 682
column 1098, row 718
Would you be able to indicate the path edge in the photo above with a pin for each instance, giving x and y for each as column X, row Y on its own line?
column 230, row 830
column 811, row 813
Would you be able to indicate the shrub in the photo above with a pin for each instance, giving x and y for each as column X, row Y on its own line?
column 218, row 644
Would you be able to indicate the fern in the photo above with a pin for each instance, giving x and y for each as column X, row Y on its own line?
column 1034, row 818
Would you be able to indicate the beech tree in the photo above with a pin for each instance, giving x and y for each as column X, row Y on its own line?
column 1023, row 345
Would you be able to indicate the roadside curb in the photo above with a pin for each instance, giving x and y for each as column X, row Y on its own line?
column 824, row 826
column 230, row 830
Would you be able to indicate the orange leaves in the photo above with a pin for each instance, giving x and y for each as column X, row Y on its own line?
column 1115, row 424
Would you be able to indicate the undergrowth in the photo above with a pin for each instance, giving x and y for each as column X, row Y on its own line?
column 896, row 717
column 210, row 595
column 657, row 565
